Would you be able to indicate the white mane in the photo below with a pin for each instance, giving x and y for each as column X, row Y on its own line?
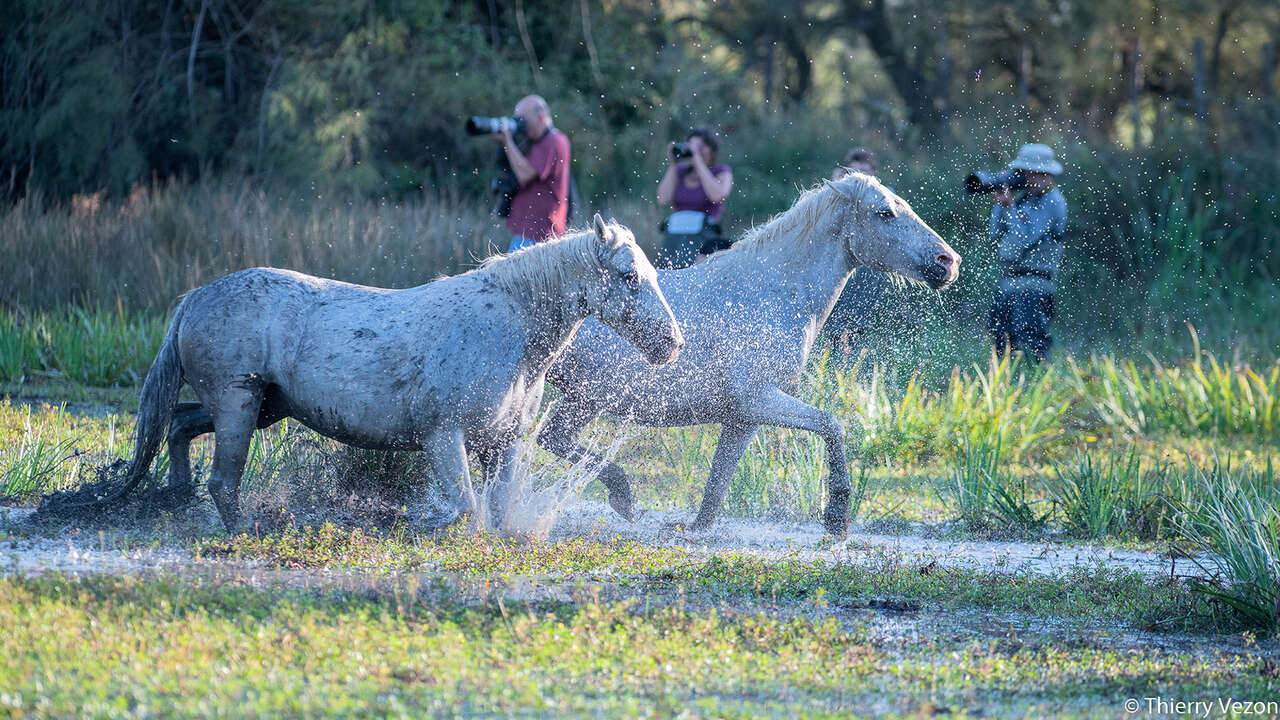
column 544, row 270
column 796, row 222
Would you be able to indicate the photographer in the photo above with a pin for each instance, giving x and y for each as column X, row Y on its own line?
column 695, row 186
column 860, row 300
column 1029, row 232
column 540, row 205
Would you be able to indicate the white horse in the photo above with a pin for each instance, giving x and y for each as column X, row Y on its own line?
column 750, row 315
column 452, row 366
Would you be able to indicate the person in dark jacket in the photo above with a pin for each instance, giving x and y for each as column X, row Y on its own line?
column 1029, row 232
column 860, row 300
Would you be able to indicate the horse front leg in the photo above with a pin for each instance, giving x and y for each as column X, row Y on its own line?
column 499, row 480
column 560, row 438
column 733, row 442
column 778, row 408
column 446, row 453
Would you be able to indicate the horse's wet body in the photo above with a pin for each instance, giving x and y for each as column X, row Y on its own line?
column 451, row 367
column 314, row 344
column 750, row 316
column 733, row 341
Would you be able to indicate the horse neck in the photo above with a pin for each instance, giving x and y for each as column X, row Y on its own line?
column 804, row 261
column 549, row 281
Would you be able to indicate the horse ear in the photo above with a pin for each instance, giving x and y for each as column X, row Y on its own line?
column 841, row 188
column 597, row 224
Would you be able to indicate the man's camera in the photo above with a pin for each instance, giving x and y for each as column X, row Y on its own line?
column 505, row 186
column 988, row 182
column 681, row 150
column 491, row 126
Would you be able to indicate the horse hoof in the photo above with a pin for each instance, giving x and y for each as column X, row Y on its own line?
column 620, row 501
column 677, row 528
column 839, row 531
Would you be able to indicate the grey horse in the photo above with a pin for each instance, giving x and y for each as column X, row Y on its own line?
column 452, row 366
column 750, row 315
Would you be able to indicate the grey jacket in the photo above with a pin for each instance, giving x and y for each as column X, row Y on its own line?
column 1030, row 236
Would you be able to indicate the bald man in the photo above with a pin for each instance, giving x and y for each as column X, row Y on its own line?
column 540, row 206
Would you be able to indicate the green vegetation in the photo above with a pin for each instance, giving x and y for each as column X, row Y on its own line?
column 92, row 347
column 1235, row 520
column 329, row 546
column 147, row 149
column 1095, row 594
column 182, row 649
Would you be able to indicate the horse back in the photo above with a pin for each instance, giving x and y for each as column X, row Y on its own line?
column 736, row 339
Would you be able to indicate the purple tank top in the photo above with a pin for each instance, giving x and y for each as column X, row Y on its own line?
column 695, row 198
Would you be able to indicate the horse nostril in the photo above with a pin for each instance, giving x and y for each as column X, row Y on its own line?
column 946, row 260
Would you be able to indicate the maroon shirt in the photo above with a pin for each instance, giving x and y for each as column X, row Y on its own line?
column 695, row 198
column 541, row 207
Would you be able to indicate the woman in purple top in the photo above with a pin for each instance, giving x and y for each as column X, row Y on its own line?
column 694, row 183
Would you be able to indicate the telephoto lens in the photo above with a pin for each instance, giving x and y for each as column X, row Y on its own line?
column 987, row 182
column 478, row 125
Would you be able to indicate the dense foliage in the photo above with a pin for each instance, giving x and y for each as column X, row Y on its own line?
column 1165, row 114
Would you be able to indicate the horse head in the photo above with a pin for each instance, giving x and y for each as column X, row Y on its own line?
column 886, row 234
column 629, row 299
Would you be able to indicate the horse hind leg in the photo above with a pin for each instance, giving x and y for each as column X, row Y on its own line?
column 234, row 420
column 733, row 442
column 560, row 438
column 190, row 421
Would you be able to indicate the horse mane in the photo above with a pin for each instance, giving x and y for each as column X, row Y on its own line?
column 544, row 270
column 797, row 221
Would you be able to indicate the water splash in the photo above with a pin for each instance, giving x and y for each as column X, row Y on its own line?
column 541, row 487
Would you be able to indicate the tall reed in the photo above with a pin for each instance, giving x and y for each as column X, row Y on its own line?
column 1234, row 521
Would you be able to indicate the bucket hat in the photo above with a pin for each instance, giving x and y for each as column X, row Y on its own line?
column 1036, row 158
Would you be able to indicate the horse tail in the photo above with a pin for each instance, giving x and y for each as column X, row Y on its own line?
column 155, row 411
column 159, row 398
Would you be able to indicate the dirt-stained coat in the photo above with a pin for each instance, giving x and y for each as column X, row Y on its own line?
column 452, row 366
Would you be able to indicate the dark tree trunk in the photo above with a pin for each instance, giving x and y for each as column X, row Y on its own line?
column 872, row 20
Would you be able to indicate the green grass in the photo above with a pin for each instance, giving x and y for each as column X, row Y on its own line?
column 1202, row 396
column 47, row 448
column 330, row 546
column 95, row 347
column 1096, row 594
column 166, row 647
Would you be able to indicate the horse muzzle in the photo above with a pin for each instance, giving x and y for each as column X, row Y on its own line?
column 943, row 270
column 665, row 350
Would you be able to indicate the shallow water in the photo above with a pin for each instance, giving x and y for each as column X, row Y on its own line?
column 806, row 541
column 765, row 539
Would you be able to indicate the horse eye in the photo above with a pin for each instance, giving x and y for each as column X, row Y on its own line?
column 632, row 278
column 886, row 213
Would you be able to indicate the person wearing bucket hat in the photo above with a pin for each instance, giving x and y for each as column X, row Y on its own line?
column 1029, row 233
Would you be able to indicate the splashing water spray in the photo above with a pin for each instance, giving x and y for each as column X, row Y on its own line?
column 540, row 489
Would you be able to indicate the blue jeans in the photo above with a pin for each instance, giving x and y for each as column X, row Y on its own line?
column 1020, row 321
column 519, row 242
